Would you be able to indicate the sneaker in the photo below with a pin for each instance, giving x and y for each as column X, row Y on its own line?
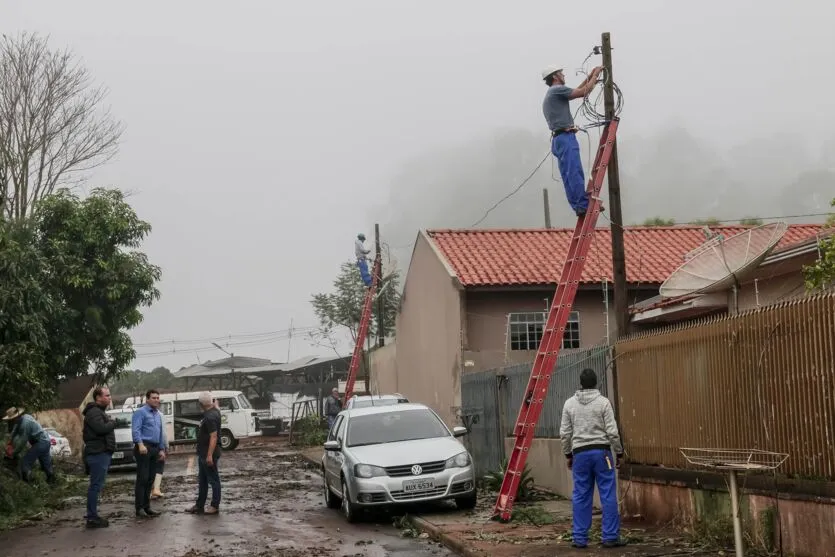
column 97, row 522
column 212, row 510
column 614, row 543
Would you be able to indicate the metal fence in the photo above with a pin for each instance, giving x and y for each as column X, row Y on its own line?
column 491, row 400
column 759, row 380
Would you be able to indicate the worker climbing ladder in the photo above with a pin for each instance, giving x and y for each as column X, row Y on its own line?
column 365, row 320
column 552, row 335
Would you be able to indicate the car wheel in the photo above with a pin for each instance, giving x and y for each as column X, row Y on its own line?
column 348, row 508
column 331, row 500
column 227, row 440
column 467, row 503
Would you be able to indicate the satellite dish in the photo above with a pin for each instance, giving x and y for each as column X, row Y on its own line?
column 720, row 262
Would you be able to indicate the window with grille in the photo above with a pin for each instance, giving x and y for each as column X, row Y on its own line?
column 526, row 330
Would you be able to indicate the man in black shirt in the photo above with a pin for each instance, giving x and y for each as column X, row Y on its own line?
column 208, row 453
column 99, row 444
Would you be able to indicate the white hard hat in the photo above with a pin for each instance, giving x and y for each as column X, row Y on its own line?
column 550, row 70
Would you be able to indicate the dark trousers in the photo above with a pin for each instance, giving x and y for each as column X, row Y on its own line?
column 208, row 475
column 146, row 471
column 98, row 465
column 37, row 452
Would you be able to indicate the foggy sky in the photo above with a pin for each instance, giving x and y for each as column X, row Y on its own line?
column 262, row 136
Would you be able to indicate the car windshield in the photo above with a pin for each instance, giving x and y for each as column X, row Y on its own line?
column 392, row 427
column 123, row 419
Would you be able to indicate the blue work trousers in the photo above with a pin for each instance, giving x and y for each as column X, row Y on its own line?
column 590, row 467
column 37, row 452
column 98, row 465
column 363, row 266
column 567, row 150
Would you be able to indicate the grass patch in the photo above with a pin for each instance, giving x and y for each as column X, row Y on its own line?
column 532, row 514
column 21, row 502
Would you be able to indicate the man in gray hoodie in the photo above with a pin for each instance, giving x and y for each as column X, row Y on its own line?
column 589, row 436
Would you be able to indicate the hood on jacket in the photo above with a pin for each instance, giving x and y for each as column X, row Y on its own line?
column 587, row 396
column 88, row 407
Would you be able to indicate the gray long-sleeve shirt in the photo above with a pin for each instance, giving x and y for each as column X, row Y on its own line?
column 588, row 419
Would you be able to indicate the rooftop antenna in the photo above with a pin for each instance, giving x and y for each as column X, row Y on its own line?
column 721, row 263
column 734, row 461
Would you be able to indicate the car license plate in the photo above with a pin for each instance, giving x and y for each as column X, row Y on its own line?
column 118, row 456
column 424, row 484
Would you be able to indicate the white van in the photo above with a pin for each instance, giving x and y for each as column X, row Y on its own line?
column 182, row 414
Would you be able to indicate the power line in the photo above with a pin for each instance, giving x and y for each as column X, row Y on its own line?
column 221, row 338
column 512, row 193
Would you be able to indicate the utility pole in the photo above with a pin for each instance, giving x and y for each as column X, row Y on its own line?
column 381, row 332
column 547, row 207
column 618, row 252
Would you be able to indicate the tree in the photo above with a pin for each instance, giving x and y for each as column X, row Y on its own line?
column 96, row 275
column 822, row 274
column 138, row 381
column 751, row 221
column 25, row 309
column 53, row 127
column 658, row 221
column 343, row 306
column 709, row 221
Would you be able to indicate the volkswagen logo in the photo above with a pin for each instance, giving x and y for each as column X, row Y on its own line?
column 417, row 470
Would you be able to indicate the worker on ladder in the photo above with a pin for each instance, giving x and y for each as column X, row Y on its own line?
column 361, row 253
column 564, row 144
column 589, row 437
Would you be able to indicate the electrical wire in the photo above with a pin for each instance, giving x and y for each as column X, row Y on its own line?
column 512, row 193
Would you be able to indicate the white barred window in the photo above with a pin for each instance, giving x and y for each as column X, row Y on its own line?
column 526, row 330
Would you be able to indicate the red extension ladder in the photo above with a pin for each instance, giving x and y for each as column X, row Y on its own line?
column 549, row 346
column 365, row 320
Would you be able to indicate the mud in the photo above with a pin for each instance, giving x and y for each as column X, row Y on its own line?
column 272, row 506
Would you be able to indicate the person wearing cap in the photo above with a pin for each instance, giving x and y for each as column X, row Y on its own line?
column 589, row 436
column 333, row 406
column 564, row 144
column 361, row 253
column 25, row 430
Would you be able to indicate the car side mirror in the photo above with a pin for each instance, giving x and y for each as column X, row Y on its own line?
column 459, row 431
column 332, row 445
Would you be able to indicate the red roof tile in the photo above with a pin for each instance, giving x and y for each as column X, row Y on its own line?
column 535, row 256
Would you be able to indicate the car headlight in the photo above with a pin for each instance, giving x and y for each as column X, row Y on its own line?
column 368, row 471
column 460, row 460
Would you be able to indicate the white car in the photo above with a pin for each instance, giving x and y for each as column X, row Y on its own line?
column 364, row 401
column 397, row 454
column 59, row 445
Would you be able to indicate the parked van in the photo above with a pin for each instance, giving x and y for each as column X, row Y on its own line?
column 182, row 414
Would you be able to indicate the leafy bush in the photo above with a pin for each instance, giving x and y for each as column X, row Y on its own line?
column 493, row 482
column 310, row 431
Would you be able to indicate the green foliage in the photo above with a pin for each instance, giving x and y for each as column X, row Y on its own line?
column 709, row 221
column 821, row 274
column 310, row 431
column 525, row 492
column 20, row 501
column 72, row 284
column 751, row 221
column 343, row 306
column 137, row 381
column 658, row 221
column 97, row 276
column 26, row 305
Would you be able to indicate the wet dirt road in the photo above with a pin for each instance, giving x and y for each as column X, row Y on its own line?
column 271, row 506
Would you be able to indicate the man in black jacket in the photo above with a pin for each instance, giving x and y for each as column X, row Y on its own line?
column 99, row 444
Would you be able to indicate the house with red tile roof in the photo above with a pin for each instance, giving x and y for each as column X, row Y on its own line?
column 477, row 299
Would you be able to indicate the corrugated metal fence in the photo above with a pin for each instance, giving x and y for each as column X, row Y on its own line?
column 760, row 380
column 486, row 394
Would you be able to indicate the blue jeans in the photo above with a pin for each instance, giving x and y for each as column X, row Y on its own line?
column 363, row 266
column 206, row 476
column 567, row 150
column 590, row 467
column 98, row 465
column 40, row 452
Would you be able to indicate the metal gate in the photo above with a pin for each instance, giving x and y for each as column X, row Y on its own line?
column 480, row 414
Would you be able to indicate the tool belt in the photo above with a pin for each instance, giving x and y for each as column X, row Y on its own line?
column 573, row 129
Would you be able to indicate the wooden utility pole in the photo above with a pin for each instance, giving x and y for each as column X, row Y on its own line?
column 547, row 207
column 381, row 332
column 618, row 253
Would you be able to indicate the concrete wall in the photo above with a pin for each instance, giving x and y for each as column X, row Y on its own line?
column 428, row 354
column 383, row 362
column 773, row 283
column 807, row 527
column 487, row 344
